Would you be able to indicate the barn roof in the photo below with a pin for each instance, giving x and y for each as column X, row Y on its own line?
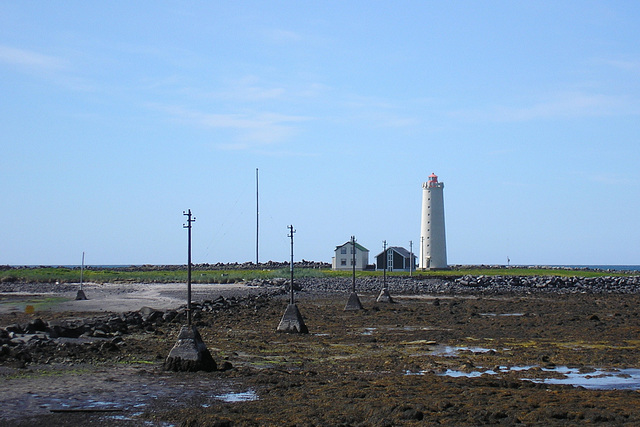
column 399, row 249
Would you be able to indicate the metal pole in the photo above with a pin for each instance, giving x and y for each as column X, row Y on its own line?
column 384, row 281
column 353, row 263
column 82, row 271
column 410, row 257
column 257, row 219
column 291, row 231
column 188, row 227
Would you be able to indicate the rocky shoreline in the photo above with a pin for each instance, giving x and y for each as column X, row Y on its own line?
column 474, row 284
column 87, row 338
column 269, row 265
column 32, row 342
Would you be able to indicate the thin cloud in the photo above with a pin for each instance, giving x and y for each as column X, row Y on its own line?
column 379, row 112
column 253, row 129
column 389, row 120
column 248, row 89
column 622, row 64
column 612, row 178
column 245, row 89
column 28, row 59
column 279, row 35
column 49, row 68
column 563, row 106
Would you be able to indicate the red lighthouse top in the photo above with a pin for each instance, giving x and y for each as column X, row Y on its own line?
column 433, row 180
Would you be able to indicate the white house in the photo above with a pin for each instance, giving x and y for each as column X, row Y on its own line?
column 343, row 257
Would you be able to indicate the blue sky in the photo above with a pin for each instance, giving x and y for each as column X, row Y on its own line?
column 118, row 116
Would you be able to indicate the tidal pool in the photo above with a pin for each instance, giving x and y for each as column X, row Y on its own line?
column 247, row 396
column 596, row 379
column 620, row 379
column 450, row 351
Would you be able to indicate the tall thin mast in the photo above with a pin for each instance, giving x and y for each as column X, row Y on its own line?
column 410, row 257
column 291, row 231
column 82, row 272
column 190, row 219
column 257, row 219
column 353, row 264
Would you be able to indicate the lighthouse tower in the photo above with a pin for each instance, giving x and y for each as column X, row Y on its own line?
column 433, row 245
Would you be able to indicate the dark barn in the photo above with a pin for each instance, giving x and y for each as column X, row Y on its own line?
column 397, row 259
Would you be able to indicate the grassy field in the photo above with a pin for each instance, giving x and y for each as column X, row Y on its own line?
column 179, row 274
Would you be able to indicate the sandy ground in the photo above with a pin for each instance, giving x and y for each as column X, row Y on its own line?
column 119, row 298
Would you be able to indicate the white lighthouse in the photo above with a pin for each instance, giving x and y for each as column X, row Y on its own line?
column 433, row 244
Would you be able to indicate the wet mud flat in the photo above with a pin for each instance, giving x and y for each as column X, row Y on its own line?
column 538, row 359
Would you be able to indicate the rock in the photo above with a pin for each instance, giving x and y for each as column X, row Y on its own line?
column 15, row 328
column 61, row 331
column 37, row 325
column 226, row 366
column 168, row 316
column 412, row 414
column 99, row 333
column 149, row 314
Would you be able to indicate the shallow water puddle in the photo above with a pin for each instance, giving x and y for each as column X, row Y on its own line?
column 598, row 379
column 451, row 351
column 623, row 379
column 124, row 398
column 247, row 396
column 502, row 314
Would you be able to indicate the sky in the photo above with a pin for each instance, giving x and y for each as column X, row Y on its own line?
column 116, row 117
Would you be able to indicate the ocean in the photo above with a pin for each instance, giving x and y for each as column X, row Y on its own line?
column 600, row 267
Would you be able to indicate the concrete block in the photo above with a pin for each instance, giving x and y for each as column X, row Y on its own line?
column 353, row 303
column 190, row 353
column 292, row 321
column 384, row 296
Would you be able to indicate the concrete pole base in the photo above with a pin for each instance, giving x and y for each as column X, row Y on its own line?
column 80, row 296
column 353, row 303
column 384, row 296
column 190, row 353
column 292, row 321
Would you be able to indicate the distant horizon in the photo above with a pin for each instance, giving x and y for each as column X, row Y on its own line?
column 574, row 266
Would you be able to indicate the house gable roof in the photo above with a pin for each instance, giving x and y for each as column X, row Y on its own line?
column 358, row 246
column 400, row 250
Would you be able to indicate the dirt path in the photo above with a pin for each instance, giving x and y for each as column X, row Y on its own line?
column 115, row 298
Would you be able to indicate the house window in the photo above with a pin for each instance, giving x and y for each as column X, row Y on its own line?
column 343, row 261
column 343, row 250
